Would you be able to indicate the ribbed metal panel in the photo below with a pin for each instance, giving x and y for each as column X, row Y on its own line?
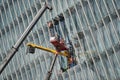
column 92, row 25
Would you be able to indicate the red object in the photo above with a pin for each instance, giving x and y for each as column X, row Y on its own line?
column 59, row 46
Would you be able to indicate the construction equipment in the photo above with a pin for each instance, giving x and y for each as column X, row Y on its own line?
column 31, row 49
column 51, row 68
column 61, row 49
column 15, row 47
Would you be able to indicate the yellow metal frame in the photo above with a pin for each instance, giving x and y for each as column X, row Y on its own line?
column 63, row 53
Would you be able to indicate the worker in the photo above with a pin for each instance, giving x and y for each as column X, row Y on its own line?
column 60, row 45
column 72, row 59
column 58, row 42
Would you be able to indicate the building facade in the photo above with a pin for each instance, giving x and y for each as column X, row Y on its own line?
column 93, row 27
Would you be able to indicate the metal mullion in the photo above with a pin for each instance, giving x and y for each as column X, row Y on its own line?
column 36, row 28
column 48, row 33
column 75, row 73
column 57, row 61
column 45, row 42
column 40, row 55
column 66, row 22
column 78, row 38
column 36, row 11
column 114, row 31
column 3, row 52
column 30, row 9
column 14, row 29
column 105, row 27
column 69, row 32
column 34, row 57
column 44, row 38
column 55, row 71
column 43, row 26
column 54, row 7
column 42, row 30
column 103, row 20
column 96, row 24
column 63, row 76
column 38, row 38
column 52, row 21
column 50, row 18
column 98, row 31
column 37, row 24
column 111, row 22
column 25, row 66
column 29, row 55
column 24, row 28
column 45, row 61
column 7, row 39
column 74, row 26
column 5, row 32
column 59, row 23
column 41, row 66
column 90, row 51
column 44, row 56
column 35, row 66
column 78, row 60
column 7, row 23
column 38, row 66
column 14, row 34
column 76, row 31
column 32, row 33
column 27, row 37
column 19, row 28
column 5, row 69
column 92, row 35
column 61, row 73
column 29, row 70
column 68, row 71
column 36, row 70
column 4, row 45
column 115, row 9
column 12, row 41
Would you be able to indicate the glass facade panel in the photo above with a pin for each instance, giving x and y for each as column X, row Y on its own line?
column 91, row 26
